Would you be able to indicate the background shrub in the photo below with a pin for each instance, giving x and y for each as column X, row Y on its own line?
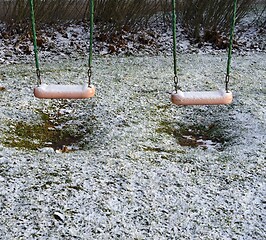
column 205, row 18
column 130, row 13
column 202, row 19
column 111, row 13
column 46, row 11
column 259, row 11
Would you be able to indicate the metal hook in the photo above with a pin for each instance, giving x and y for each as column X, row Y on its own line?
column 176, row 83
column 89, row 75
column 38, row 72
column 227, row 78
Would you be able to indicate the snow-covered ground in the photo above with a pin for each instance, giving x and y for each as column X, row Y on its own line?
column 127, row 164
column 134, row 165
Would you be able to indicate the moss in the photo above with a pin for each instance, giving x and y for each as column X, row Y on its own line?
column 196, row 135
column 45, row 134
column 165, row 127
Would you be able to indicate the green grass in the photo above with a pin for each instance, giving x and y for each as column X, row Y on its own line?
column 33, row 136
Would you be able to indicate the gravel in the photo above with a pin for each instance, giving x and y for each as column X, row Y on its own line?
column 135, row 166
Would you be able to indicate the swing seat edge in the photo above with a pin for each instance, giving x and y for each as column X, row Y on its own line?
column 55, row 91
column 217, row 97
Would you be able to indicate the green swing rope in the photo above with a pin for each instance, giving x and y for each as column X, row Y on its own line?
column 91, row 39
column 174, row 43
column 228, row 68
column 230, row 46
column 36, row 47
column 35, row 42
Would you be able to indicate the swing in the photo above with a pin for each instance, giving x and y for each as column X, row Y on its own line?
column 202, row 97
column 56, row 91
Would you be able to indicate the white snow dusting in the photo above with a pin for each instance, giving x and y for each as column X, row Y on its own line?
column 136, row 172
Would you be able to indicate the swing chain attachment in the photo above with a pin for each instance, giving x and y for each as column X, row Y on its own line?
column 227, row 78
column 176, row 83
column 38, row 73
column 89, row 75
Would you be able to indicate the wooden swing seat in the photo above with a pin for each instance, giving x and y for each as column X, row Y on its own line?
column 64, row 91
column 202, row 98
